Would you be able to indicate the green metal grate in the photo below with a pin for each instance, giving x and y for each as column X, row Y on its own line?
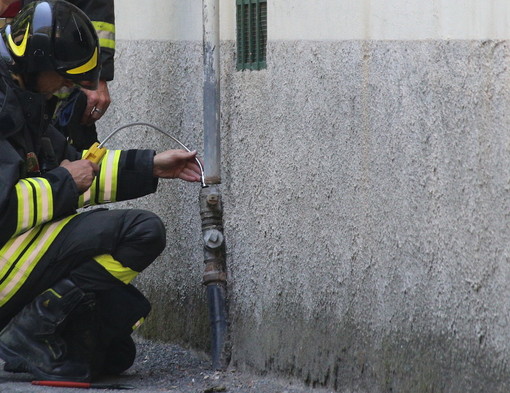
column 251, row 34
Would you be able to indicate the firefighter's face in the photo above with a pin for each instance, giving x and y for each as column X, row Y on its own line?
column 48, row 82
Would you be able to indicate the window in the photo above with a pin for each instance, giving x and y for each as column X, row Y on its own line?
column 251, row 34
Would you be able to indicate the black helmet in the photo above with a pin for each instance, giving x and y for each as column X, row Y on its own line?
column 53, row 35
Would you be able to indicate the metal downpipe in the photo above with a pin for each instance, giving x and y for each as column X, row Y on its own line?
column 211, row 208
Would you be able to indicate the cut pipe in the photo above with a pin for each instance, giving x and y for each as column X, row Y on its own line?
column 211, row 104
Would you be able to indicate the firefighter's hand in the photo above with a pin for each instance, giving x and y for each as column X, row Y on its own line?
column 82, row 171
column 173, row 164
column 98, row 102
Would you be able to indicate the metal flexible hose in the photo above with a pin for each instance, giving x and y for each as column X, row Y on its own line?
column 202, row 175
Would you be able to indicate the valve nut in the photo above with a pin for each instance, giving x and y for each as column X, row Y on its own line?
column 213, row 238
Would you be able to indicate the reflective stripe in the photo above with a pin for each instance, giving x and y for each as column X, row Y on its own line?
column 106, row 33
column 108, row 176
column 116, row 269
column 103, row 27
column 35, row 203
column 23, row 205
column 106, row 43
column 21, row 254
column 84, row 200
column 14, row 248
column 44, row 198
column 104, row 189
column 88, row 197
column 138, row 323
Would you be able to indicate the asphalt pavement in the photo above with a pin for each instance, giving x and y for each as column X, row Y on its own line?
column 161, row 368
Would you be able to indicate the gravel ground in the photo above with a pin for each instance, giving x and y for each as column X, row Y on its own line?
column 170, row 368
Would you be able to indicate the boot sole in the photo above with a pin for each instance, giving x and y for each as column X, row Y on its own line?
column 13, row 359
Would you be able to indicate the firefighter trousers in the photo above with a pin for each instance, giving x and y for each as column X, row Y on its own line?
column 97, row 250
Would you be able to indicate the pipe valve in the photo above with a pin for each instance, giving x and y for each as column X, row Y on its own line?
column 213, row 238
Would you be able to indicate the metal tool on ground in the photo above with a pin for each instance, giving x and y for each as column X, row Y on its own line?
column 83, row 385
column 96, row 152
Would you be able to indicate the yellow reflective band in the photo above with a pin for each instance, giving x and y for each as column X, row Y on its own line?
column 138, row 323
column 116, row 269
column 107, row 43
column 85, row 199
column 89, row 197
column 44, row 199
column 35, row 203
column 89, row 65
column 26, row 251
column 24, row 209
column 19, row 50
column 103, row 26
column 13, row 249
column 116, row 165
column 104, row 188
column 37, row 197
column 108, row 176
column 106, row 34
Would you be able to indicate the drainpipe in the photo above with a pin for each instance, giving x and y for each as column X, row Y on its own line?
column 211, row 208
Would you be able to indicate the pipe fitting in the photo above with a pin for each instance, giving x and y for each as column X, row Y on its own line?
column 211, row 212
column 212, row 199
column 213, row 239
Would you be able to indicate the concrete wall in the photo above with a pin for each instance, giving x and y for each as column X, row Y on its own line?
column 366, row 187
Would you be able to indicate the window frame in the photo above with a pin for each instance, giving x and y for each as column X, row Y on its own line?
column 251, row 19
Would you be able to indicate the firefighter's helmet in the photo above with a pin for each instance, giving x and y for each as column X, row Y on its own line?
column 53, row 35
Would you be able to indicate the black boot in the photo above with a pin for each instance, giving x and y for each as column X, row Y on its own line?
column 122, row 310
column 108, row 348
column 31, row 341
column 83, row 334
column 120, row 355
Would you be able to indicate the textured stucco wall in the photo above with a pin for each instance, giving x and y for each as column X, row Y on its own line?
column 374, row 179
column 366, row 188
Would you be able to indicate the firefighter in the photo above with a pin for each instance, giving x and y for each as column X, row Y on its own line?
column 75, row 111
column 78, row 110
column 67, row 305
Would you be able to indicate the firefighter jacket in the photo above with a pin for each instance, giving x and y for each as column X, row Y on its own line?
column 38, row 197
column 101, row 13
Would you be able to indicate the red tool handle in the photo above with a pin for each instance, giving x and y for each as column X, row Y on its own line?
column 63, row 384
